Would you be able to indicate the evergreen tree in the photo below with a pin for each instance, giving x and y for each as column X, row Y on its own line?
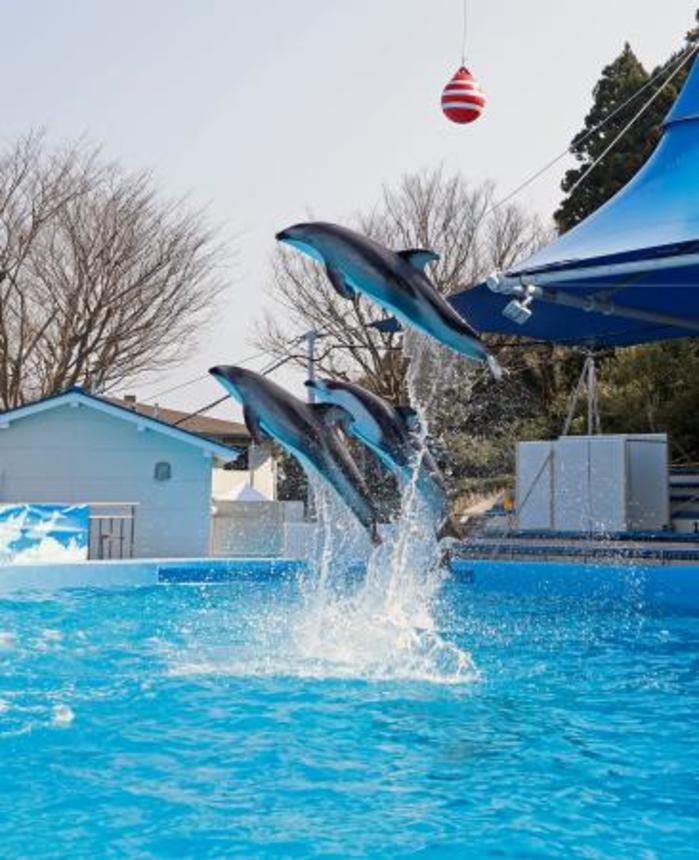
column 646, row 388
column 620, row 81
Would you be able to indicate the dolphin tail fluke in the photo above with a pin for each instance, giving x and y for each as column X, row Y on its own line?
column 445, row 559
column 494, row 367
column 339, row 282
column 452, row 529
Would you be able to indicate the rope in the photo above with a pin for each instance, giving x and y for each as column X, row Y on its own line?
column 267, row 370
column 275, row 365
column 464, row 33
column 681, row 60
column 632, row 121
column 202, row 410
column 199, row 378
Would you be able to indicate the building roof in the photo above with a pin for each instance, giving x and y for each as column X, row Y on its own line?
column 202, row 425
column 77, row 397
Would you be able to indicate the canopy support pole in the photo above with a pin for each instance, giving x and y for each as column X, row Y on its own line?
column 311, row 337
column 587, row 379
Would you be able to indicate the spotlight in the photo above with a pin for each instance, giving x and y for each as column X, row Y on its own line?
column 518, row 311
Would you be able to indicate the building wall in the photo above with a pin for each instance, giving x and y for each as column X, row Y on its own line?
column 76, row 454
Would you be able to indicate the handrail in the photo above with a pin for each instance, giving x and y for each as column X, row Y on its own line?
column 76, row 504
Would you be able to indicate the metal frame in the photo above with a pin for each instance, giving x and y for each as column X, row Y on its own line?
column 587, row 379
column 109, row 529
column 529, row 288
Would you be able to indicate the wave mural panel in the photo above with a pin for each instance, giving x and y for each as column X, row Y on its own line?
column 35, row 533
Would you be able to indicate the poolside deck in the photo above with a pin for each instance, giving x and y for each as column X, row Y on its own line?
column 650, row 548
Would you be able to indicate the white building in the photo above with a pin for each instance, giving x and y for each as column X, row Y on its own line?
column 255, row 468
column 148, row 483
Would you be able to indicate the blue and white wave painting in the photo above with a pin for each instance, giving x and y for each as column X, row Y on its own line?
column 32, row 534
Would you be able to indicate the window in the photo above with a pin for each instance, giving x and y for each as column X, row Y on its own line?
column 163, row 471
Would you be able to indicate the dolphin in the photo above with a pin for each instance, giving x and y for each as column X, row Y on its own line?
column 301, row 429
column 395, row 280
column 390, row 433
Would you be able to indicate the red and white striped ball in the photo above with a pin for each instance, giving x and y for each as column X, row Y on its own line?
column 462, row 99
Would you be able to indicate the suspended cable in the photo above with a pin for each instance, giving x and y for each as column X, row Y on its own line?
column 275, row 365
column 201, row 411
column 631, row 123
column 681, row 61
column 464, row 32
column 200, row 378
column 189, row 382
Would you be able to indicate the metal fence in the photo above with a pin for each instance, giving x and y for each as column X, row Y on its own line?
column 112, row 530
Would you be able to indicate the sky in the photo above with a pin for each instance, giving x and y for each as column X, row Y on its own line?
column 265, row 111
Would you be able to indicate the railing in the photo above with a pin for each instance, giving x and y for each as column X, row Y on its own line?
column 112, row 530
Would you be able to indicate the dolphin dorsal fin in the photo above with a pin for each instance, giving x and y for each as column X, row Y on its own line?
column 331, row 415
column 409, row 417
column 418, row 258
column 340, row 285
column 256, row 432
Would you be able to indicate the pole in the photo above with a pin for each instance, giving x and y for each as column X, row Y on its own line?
column 311, row 337
column 587, row 379
column 251, row 464
column 590, row 362
column 594, row 425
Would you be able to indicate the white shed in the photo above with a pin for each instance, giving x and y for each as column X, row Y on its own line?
column 78, row 448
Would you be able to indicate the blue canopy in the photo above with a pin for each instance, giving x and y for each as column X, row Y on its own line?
column 627, row 274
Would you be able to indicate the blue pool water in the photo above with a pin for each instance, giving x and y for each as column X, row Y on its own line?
column 198, row 721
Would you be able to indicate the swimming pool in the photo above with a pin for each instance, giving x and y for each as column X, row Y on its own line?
column 184, row 721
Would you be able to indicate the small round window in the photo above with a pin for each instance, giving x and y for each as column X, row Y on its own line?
column 163, row 471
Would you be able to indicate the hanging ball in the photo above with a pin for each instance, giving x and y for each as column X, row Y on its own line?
column 462, row 99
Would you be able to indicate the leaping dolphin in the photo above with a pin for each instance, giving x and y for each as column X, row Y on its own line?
column 390, row 433
column 394, row 280
column 270, row 411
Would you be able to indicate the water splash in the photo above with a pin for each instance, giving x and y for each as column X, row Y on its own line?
column 352, row 619
column 388, row 627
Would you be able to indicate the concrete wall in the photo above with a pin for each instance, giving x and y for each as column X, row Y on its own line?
column 253, row 529
column 76, row 454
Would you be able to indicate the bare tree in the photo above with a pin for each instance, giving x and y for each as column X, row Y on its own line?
column 427, row 209
column 100, row 279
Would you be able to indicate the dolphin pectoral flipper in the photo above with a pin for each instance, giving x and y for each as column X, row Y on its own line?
column 418, row 258
column 450, row 529
column 256, row 432
column 340, row 285
column 409, row 417
column 332, row 415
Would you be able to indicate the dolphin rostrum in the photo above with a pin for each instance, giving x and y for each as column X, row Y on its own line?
column 390, row 433
column 270, row 411
column 394, row 280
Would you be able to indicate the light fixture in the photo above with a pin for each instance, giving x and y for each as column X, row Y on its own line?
column 518, row 310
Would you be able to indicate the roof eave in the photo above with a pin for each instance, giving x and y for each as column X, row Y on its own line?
column 76, row 397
